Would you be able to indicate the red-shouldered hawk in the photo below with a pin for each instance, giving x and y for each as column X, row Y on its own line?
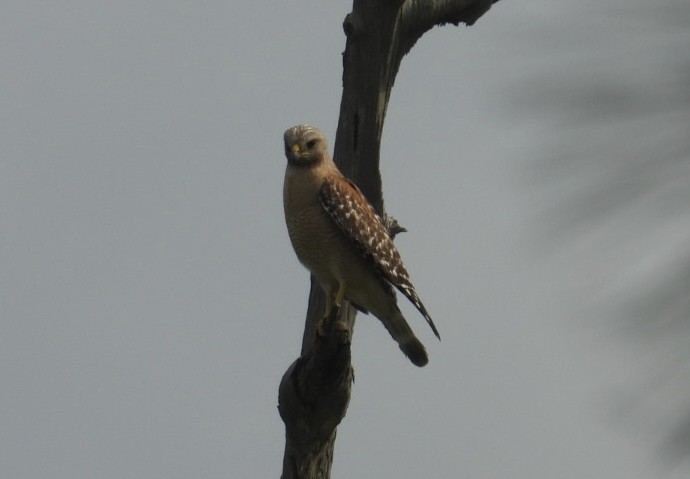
column 339, row 237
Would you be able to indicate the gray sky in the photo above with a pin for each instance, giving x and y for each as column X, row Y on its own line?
column 150, row 300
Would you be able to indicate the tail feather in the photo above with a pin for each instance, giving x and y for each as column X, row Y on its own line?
column 402, row 333
column 415, row 351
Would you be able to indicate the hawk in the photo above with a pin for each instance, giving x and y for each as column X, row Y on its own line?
column 338, row 236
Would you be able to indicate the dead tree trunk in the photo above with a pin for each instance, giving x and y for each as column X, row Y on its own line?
column 315, row 390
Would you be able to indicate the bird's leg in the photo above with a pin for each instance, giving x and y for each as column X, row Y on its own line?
column 340, row 295
column 329, row 304
column 329, row 310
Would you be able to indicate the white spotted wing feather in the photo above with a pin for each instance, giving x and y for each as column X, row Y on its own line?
column 355, row 216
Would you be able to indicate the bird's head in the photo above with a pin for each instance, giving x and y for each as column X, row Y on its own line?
column 305, row 145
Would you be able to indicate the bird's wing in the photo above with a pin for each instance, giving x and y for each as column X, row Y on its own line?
column 357, row 219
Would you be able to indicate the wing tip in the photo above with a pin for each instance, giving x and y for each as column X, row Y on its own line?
column 427, row 316
column 411, row 294
column 432, row 325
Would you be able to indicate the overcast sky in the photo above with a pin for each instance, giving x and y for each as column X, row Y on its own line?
column 150, row 300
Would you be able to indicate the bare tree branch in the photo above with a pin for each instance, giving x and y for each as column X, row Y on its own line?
column 420, row 16
column 312, row 400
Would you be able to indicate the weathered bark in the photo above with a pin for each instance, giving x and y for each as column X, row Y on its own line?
column 314, row 394
column 315, row 390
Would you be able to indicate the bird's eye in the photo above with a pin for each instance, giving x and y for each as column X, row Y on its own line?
column 311, row 143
